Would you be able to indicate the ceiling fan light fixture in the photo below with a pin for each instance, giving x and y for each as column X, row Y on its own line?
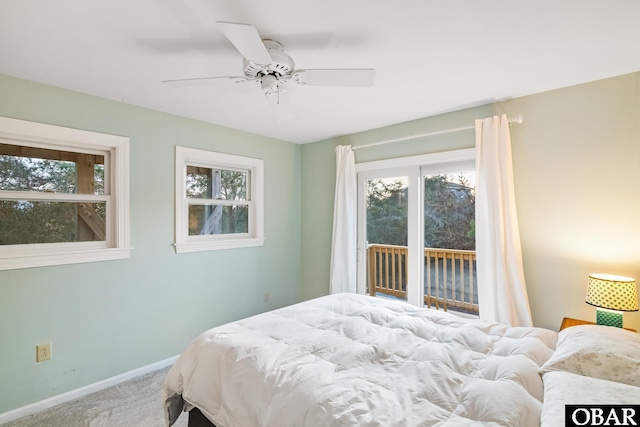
column 269, row 83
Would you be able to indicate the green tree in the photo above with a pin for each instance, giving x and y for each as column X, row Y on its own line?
column 449, row 212
column 28, row 174
column 387, row 212
column 26, row 221
column 234, row 187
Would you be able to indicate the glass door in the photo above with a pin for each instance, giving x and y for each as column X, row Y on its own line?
column 416, row 230
column 449, row 260
column 386, row 216
column 386, row 229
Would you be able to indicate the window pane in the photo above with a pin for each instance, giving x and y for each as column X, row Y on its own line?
column 387, row 211
column 98, row 173
column 450, row 278
column 449, row 211
column 24, row 221
column 217, row 219
column 217, row 184
column 387, row 225
column 56, row 171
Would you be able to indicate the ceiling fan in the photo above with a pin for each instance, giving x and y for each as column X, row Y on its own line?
column 265, row 62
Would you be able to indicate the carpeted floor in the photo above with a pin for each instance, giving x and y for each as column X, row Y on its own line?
column 134, row 403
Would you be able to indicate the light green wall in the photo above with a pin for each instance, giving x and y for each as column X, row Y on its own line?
column 576, row 163
column 577, row 177
column 107, row 318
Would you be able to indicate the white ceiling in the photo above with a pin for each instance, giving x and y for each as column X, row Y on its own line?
column 431, row 56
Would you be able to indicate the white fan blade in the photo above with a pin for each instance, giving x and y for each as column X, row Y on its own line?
column 335, row 77
column 247, row 40
column 199, row 81
column 281, row 105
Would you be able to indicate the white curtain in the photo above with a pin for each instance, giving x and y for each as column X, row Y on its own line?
column 343, row 247
column 502, row 294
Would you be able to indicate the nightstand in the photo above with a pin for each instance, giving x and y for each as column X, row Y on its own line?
column 568, row 322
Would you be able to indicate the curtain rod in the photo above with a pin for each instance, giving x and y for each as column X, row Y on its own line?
column 518, row 119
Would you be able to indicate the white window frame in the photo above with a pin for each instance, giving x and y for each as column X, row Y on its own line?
column 414, row 167
column 185, row 243
column 116, row 152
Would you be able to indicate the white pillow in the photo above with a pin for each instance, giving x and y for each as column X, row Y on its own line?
column 602, row 352
column 564, row 388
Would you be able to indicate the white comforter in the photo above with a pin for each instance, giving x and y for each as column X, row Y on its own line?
column 351, row 360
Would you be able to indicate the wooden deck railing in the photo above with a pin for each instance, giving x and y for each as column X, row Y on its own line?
column 387, row 270
column 450, row 276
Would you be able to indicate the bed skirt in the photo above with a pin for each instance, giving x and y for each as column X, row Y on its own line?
column 197, row 419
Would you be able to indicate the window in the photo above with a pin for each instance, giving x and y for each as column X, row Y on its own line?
column 64, row 195
column 416, row 225
column 219, row 201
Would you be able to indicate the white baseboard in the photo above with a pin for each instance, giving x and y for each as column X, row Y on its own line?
column 82, row 391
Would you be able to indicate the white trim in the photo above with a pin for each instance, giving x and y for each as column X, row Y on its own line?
column 37, row 134
column 55, row 197
column 182, row 248
column 64, row 258
column 422, row 160
column 221, row 202
column 415, row 238
column 50, row 402
column 208, row 159
column 120, row 178
column 117, row 244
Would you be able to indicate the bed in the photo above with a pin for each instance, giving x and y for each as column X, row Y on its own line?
column 354, row 360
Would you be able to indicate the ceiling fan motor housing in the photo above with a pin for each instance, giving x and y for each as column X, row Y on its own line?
column 281, row 67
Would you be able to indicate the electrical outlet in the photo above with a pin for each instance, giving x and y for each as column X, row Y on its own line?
column 43, row 352
column 266, row 297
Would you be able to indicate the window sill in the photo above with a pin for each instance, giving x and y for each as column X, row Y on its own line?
column 63, row 258
column 218, row 244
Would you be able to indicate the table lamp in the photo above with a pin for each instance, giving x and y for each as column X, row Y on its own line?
column 611, row 295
